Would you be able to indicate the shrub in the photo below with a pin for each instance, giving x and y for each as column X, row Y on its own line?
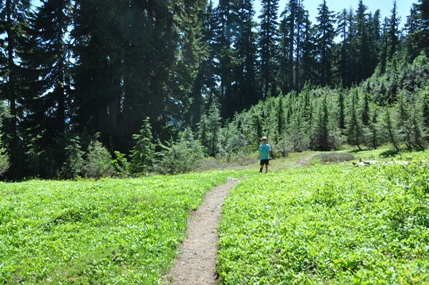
column 4, row 161
column 120, row 164
column 73, row 165
column 98, row 162
column 142, row 153
column 181, row 156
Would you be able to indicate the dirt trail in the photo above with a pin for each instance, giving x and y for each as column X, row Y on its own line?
column 303, row 161
column 196, row 263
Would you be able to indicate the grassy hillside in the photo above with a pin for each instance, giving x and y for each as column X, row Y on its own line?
column 308, row 221
column 109, row 231
column 329, row 224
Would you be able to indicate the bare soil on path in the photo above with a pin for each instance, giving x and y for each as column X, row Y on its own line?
column 196, row 261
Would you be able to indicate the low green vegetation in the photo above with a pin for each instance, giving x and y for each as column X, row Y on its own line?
column 329, row 224
column 314, row 219
column 112, row 231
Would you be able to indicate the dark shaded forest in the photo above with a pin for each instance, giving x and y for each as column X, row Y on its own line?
column 99, row 88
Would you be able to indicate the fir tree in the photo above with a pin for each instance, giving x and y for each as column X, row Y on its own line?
column 354, row 124
column 268, row 40
column 142, row 153
column 325, row 42
column 14, row 27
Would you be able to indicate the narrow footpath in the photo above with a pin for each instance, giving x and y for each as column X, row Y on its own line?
column 196, row 261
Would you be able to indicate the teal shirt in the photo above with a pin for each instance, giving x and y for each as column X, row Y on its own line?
column 264, row 151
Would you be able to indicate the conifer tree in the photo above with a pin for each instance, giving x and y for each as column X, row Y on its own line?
column 374, row 39
column 283, row 56
column 268, row 39
column 309, row 66
column 210, row 129
column 354, row 123
column 225, row 33
column 281, row 124
column 425, row 111
column 393, row 32
column 142, row 153
column 412, row 30
column 48, row 99
column 390, row 129
column 402, row 122
column 321, row 133
column 292, row 24
column 325, row 42
column 372, row 136
column 341, row 109
column 361, row 44
column 4, row 157
column 14, row 27
column 422, row 36
column 343, row 64
column 204, row 88
column 365, row 109
column 245, row 75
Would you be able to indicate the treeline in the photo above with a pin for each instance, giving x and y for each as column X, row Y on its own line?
column 325, row 119
column 81, row 81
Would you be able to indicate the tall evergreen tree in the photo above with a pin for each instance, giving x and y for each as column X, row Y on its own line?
column 321, row 134
column 48, row 100
column 412, row 29
column 325, row 42
column 14, row 28
column 308, row 65
column 424, row 97
column 374, row 43
column 245, row 72
column 204, row 89
column 226, row 32
column 422, row 37
column 343, row 65
column 384, row 47
column 354, row 123
column 341, row 109
column 134, row 59
column 361, row 44
column 390, row 129
column 283, row 56
column 292, row 25
column 268, row 42
column 393, row 32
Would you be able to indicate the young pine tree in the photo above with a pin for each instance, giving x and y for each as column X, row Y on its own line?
column 98, row 161
column 73, row 165
column 354, row 123
column 321, row 140
column 180, row 156
column 390, row 129
column 142, row 154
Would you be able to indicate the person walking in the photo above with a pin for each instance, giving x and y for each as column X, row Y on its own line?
column 264, row 154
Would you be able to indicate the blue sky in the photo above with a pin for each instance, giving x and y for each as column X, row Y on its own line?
column 385, row 6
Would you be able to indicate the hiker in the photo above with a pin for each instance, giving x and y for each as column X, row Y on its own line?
column 264, row 154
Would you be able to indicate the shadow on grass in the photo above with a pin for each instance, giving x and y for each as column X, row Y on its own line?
column 389, row 153
column 330, row 157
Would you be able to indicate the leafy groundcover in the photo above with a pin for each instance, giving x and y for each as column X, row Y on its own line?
column 112, row 231
column 330, row 224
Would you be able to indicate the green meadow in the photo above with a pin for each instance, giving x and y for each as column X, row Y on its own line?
column 329, row 224
column 321, row 223
column 112, row 231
